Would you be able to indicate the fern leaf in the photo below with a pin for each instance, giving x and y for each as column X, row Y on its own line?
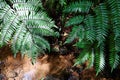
column 74, row 33
column 91, row 59
column 25, row 24
column 34, row 54
column 75, row 20
column 115, row 12
column 25, row 40
column 113, row 60
column 84, row 55
column 90, row 28
column 17, row 39
column 62, row 2
column 2, row 4
column 42, row 43
column 99, row 60
column 82, row 44
column 81, row 33
column 101, row 22
column 81, row 6
column 7, row 30
column 117, row 44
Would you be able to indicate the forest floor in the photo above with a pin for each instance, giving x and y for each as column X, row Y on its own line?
column 56, row 65
column 50, row 67
column 53, row 66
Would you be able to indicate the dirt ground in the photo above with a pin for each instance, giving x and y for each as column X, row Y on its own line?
column 49, row 67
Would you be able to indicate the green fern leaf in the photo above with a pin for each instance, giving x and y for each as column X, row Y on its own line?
column 99, row 59
column 81, row 6
column 75, row 33
column 25, row 41
column 24, row 25
column 82, row 44
column 62, row 2
column 117, row 44
column 90, row 28
column 7, row 30
column 101, row 22
column 75, row 20
column 114, row 60
column 91, row 59
column 115, row 14
column 42, row 43
column 84, row 55
column 17, row 39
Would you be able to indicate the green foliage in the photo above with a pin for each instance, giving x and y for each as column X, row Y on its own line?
column 75, row 20
column 62, row 2
column 114, row 60
column 23, row 24
column 98, row 33
column 99, row 59
column 81, row 6
column 74, row 33
column 96, row 26
column 101, row 23
column 90, row 27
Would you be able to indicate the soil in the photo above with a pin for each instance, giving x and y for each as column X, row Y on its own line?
column 49, row 67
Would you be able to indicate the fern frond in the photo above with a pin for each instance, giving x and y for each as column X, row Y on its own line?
column 90, row 28
column 84, row 55
column 81, row 33
column 25, row 42
column 99, row 59
column 17, row 38
column 8, row 28
column 91, row 58
column 113, row 60
column 101, row 22
column 77, row 32
column 41, row 43
column 72, row 35
column 100, row 62
column 74, row 20
column 81, row 44
column 81, row 6
column 62, row 2
column 36, row 3
column 24, row 25
column 115, row 14
column 117, row 44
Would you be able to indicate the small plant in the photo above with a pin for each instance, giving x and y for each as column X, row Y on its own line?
column 23, row 25
column 96, row 25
